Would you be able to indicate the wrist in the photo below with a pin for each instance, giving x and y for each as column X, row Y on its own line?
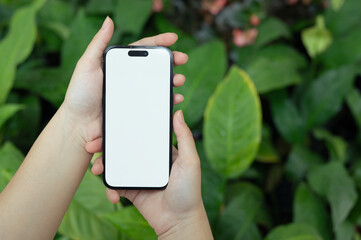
column 196, row 226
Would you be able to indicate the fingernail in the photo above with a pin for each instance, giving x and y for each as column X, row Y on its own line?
column 105, row 22
column 180, row 116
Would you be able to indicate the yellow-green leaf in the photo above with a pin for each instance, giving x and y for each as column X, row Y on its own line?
column 232, row 124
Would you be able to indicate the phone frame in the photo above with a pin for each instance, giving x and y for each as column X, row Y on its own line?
column 170, row 113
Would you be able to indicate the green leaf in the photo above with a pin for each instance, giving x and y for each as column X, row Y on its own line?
column 325, row 95
column 337, row 147
column 266, row 151
column 316, row 39
column 309, row 209
column 275, row 67
column 130, row 222
column 240, row 213
column 232, row 124
column 344, row 50
column 333, row 182
column 213, row 187
column 337, row 4
column 203, row 79
column 345, row 20
column 130, row 16
column 345, row 231
column 17, row 45
column 7, row 111
column 287, row 118
column 271, row 29
column 11, row 158
column 354, row 103
column 293, row 231
column 300, row 161
column 100, row 6
column 83, row 219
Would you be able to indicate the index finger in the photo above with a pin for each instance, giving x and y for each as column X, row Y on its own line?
column 164, row 39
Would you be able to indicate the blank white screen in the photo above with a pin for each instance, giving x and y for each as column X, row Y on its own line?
column 137, row 113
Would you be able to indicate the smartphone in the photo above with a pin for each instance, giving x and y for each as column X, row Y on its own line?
column 137, row 117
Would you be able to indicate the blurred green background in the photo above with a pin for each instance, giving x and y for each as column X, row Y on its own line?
column 272, row 97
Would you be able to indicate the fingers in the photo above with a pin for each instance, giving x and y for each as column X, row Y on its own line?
column 186, row 147
column 178, row 80
column 177, row 98
column 94, row 52
column 98, row 166
column 94, row 146
column 179, row 58
column 164, row 39
column 112, row 195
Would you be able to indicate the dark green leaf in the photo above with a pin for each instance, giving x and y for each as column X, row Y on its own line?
column 232, row 124
column 240, row 213
column 294, row 231
column 325, row 95
column 345, row 231
column 300, row 161
column 100, row 6
column 308, row 208
column 275, row 67
column 337, row 147
column 130, row 16
column 213, row 187
column 7, row 111
column 202, row 79
column 354, row 103
column 266, row 151
column 271, row 29
column 287, row 118
column 130, row 222
column 333, row 182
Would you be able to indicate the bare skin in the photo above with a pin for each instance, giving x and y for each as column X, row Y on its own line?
column 34, row 202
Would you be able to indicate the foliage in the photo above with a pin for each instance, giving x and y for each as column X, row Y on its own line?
column 276, row 113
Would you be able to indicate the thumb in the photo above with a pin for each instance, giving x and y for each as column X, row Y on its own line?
column 186, row 146
column 92, row 56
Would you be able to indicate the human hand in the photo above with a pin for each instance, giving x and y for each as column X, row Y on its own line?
column 83, row 100
column 176, row 212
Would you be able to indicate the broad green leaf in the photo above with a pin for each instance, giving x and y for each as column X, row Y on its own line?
column 316, row 39
column 99, row 6
column 130, row 16
column 130, row 222
column 7, row 111
column 344, row 50
column 271, row 29
column 345, row 20
column 308, row 208
column 345, row 231
column 294, row 231
column 354, row 103
column 240, row 213
column 337, row 147
column 203, row 78
column 287, row 118
column 266, row 151
column 16, row 46
column 83, row 219
column 275, row 67
column 213, row 187
column 337, row 4
column 10, row 160
column 333, row 182
column 300, row 161
column 81, row 224
column 324, row 97
column 232, row 124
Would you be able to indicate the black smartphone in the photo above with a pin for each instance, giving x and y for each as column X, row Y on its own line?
column 137, row 117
